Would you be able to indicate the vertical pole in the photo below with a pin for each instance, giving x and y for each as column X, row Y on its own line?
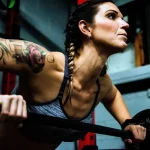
column 13, row 32
column 88, row 142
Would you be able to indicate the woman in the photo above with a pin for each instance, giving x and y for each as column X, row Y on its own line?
column 71, row 86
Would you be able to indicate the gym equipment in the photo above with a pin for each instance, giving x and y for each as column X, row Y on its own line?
column 36, row 120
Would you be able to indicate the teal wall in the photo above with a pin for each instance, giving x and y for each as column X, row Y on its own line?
column 44, row 21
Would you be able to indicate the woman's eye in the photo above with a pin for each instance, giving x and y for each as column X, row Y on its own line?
column 111, row 16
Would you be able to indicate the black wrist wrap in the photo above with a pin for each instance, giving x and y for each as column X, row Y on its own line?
column 127, row 122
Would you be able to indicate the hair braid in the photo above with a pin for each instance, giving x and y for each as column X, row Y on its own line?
column 71, row 55
column 71, row 45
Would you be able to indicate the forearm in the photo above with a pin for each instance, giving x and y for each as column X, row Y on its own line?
column 118, row 108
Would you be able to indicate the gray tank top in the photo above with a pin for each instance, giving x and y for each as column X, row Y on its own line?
column 54, row 108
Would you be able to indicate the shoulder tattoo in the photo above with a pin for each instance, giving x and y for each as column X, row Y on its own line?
column 26, row 52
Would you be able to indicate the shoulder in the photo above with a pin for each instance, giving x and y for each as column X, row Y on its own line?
column 55, row 60
column 105, row 81
column 110, row 88
column 43, row 54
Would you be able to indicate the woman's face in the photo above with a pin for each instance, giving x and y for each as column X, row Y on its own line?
column 109, row 28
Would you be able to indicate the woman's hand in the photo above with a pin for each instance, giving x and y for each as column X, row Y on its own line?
column 138, row 131
column 13, row 109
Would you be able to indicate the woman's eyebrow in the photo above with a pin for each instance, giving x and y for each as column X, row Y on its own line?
column 112, row 10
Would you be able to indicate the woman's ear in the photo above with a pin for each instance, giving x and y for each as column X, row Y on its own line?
column 85, row 28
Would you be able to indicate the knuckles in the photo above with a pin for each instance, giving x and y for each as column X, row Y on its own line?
column 11, row 108
column 139, row 132
column 4, row 98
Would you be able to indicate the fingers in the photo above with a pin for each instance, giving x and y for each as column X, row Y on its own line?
column 128, row 141
column 4, row 108
column 139, row 133
column 24, row 109
column 13, row 108
column 5, row 104
column 143, row 133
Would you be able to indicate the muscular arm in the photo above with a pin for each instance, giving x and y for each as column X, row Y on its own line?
column 115, row 104
column 19, row 55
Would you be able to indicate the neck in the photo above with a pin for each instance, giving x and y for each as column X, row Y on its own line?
column 88, row 66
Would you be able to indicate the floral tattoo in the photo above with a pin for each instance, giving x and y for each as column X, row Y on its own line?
column 24, row 52
column 33, row 55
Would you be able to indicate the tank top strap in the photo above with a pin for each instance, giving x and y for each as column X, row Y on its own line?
column 96, row 96
column 66, row 76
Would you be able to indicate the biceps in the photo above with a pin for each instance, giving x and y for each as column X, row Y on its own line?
column 18, row 54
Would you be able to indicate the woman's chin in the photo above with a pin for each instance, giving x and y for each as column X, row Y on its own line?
column 122, row 46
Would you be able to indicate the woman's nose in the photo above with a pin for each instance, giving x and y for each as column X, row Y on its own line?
column 124, row 24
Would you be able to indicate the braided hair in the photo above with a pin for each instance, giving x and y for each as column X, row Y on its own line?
column 85, row 11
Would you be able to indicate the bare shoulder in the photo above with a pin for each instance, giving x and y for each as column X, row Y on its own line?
column 55, row 60
column 41, row 58
column 105, row 78
column 108, row 87
column 105, row 82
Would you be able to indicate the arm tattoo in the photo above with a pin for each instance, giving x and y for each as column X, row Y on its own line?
column 26, row 52
column 33, row 55
column 4, row 50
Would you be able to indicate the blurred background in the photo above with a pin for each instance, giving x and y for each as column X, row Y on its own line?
column 44, row 21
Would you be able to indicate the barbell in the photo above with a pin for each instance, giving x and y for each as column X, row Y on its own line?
column 29, row 127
